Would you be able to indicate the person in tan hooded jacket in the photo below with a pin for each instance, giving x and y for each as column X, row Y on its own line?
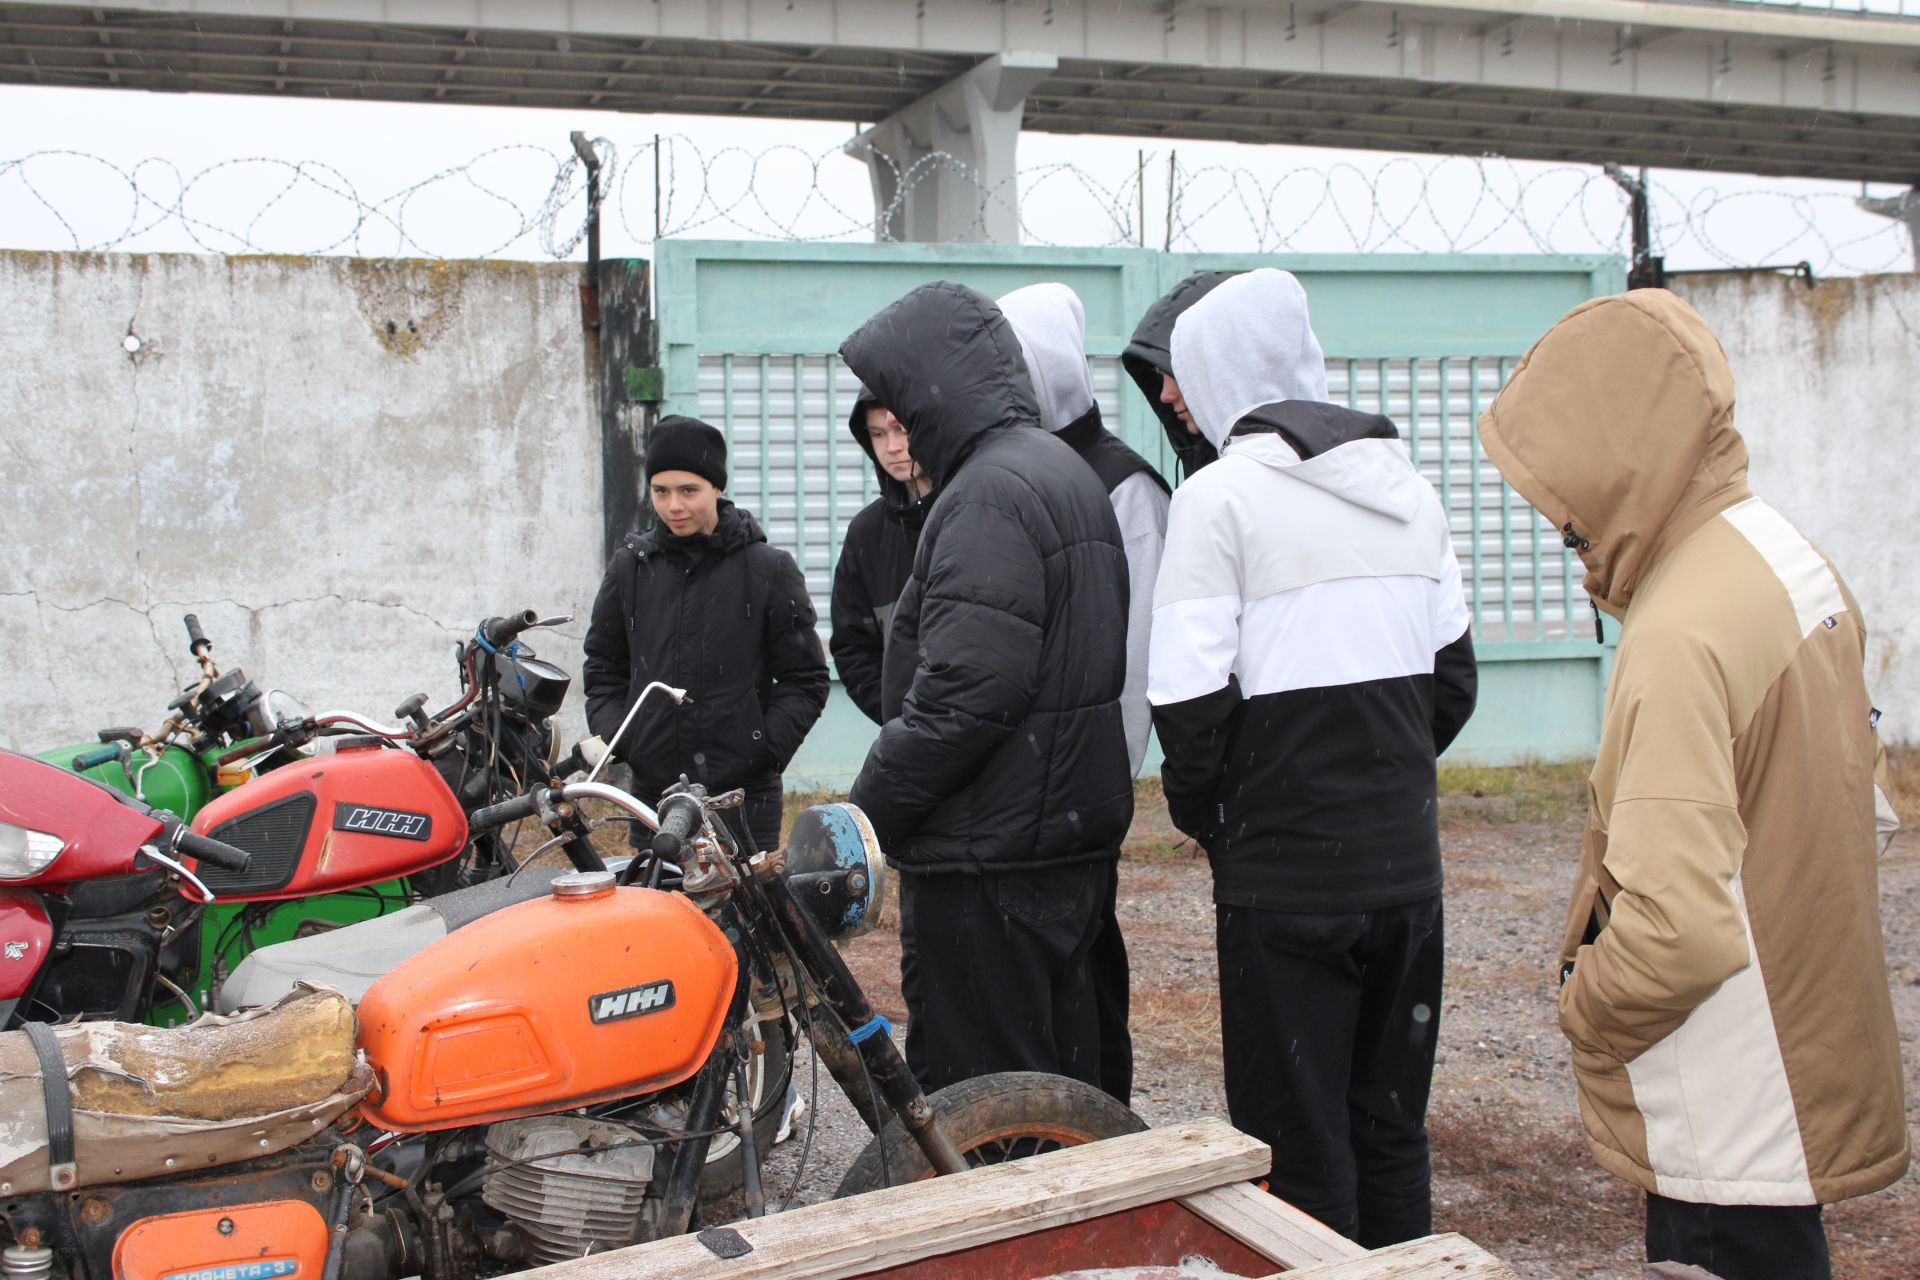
column 1723, row 984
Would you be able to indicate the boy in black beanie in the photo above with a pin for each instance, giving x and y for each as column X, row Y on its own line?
column 703, row 602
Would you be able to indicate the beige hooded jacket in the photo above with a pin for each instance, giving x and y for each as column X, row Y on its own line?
column 1732, row 1032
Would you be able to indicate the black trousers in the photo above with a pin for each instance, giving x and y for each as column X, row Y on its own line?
column 1111, row 997
column 1329, row 1024
column 995, row 972
column 1740, row 1242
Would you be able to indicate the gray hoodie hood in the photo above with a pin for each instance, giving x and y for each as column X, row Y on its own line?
column 1051, row 324
column 1246, row 344
column 1255, row 381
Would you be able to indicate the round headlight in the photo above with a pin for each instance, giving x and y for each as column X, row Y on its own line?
column 836, row 870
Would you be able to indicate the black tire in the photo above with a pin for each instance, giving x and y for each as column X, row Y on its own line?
column 1006, row 1116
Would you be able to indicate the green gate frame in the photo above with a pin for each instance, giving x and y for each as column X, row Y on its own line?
column 1422, row 314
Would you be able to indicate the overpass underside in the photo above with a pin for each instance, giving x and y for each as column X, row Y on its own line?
column 1742, row 88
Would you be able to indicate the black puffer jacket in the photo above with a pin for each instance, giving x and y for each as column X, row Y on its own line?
column 874, row 563
column 1003, row 749
column 1149, row 352
column 724, row 616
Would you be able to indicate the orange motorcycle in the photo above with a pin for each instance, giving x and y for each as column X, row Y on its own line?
column 542, row 1083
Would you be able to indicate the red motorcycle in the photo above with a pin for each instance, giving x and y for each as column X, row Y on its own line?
column 99, row 915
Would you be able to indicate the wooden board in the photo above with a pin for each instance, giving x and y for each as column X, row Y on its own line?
column 1444, row 1257
column 1269, row 1225
column 900, row 1224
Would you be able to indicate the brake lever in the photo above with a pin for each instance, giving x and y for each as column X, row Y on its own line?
column 557, row 620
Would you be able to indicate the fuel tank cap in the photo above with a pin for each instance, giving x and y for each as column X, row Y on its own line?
column 583, row 884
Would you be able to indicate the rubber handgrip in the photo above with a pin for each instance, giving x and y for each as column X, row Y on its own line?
column 499, row 815
column 195, row 636
column 675, row 826
column 500, row 630
column 215, row 852
column 93, row 757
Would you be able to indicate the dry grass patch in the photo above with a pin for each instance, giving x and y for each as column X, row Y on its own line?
column 1532, row 791
column 1513, row 1186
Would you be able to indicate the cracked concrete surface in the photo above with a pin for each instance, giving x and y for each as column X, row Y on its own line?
column 336, row 510
column 1825, row 380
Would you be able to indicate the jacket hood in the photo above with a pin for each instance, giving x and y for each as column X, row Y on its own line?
column 1618, row 428
column 1051, row 324
column 1354, row 456
column 1246, row 344
column 946, row 362
column 1148, row 353
column 735, row 529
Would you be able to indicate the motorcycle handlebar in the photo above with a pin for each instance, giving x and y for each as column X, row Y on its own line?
column 498, row 631
column 95, row 756
column 499, row 815
column 195, row 636
column 214, row 852
column 676, row 824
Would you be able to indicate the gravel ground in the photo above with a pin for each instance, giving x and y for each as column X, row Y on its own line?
column 1511, row 1166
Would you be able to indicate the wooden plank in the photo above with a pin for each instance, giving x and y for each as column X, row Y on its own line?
column 1443, row 1257
column 1267, row 1224
column 899, row 1224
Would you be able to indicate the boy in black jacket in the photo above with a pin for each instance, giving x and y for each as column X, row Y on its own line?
column 704, row 603
column 877, row 555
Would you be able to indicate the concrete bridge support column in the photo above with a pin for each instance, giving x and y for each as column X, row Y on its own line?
column 943, row 168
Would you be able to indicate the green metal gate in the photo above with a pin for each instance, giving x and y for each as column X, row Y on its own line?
column 748, row 333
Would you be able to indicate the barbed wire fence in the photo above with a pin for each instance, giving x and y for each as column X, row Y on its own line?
column 526, row 199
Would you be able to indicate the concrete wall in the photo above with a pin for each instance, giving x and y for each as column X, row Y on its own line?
column 1826, row 379
column 340, row 465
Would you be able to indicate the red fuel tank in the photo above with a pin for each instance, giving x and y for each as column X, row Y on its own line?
column 590, row 994
column 356, row 817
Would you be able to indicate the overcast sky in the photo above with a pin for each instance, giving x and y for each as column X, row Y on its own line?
column 729, row 178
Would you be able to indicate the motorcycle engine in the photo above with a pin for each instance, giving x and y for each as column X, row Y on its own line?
column 570, row 1184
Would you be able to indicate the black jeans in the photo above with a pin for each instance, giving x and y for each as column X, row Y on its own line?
column 995, row 972
column 1111, row 997
column 1329, row 1024
column 1739, row 1242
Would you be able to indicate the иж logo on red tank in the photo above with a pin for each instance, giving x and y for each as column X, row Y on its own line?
column 631, row 1002
column 374, row 821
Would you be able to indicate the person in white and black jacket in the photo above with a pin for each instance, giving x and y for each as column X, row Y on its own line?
column 998, row 785
column 1311, row 657
column 1051, row 323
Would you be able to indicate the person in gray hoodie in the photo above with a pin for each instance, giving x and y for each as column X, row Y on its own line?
column 1311, row 657
column 1051, row 324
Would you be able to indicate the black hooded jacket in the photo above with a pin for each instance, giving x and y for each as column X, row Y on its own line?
column 724, row 616
column 1003, row 749
column 874, row 563
column 1149, row 353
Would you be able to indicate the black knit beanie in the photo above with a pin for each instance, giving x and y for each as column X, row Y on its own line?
column 687, row 444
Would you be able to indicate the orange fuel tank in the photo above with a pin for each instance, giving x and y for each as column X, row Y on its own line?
column 592, row 993
column 356, row 817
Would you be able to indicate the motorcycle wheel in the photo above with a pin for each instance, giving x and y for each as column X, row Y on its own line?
column 1006, row 1116
column 768, row 1082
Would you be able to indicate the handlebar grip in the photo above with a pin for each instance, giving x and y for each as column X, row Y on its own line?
column 681, row 816
column 93, row 757
column 498, row 631
column 499, row 815
column 214, row 852
column 245, row 749
column 195, row 636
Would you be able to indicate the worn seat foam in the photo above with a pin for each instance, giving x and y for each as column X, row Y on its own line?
column 153, row 1100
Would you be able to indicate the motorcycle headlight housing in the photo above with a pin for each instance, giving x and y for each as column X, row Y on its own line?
column 25, row 853
column 836, row 870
